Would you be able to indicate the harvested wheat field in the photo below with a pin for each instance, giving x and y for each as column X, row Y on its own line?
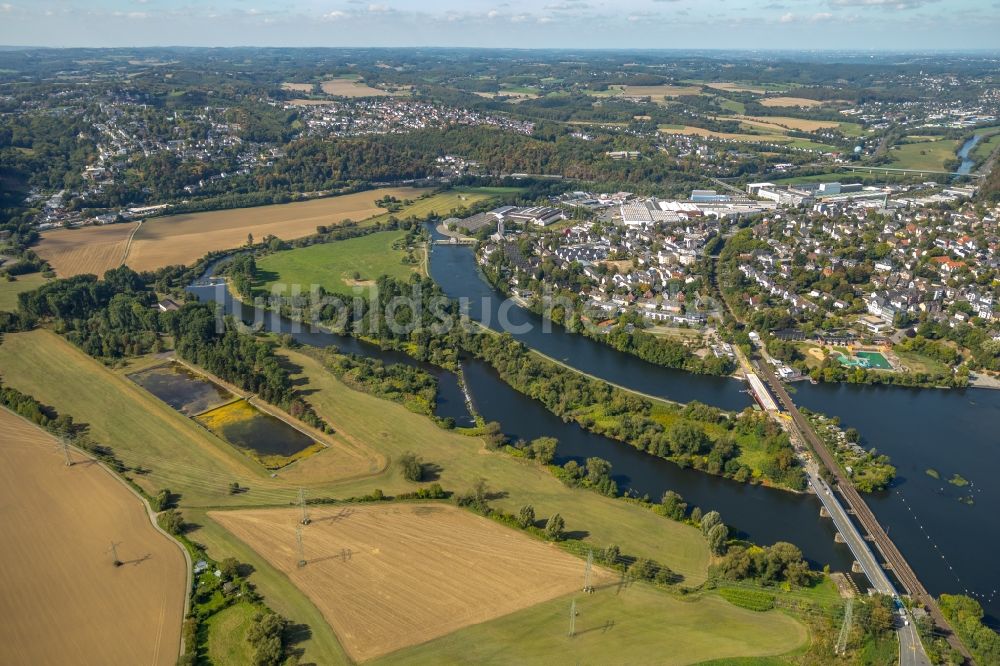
column 783, row 122
column 297, row 87
column 388, row 576
column 183, row 239
column 737, row 87
column 351, row 87
column 63, row 600
column 92, row 249
column 790, row 101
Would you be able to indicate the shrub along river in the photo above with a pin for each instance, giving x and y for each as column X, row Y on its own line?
column 948, row 431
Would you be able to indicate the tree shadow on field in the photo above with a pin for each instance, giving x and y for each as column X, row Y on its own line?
column 576, row 534
column 297, row 633
column 496, row 494
column 430, row 471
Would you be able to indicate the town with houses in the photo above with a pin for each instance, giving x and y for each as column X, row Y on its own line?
column 926, row 257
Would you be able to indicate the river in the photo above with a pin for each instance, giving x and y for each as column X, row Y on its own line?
column 763, row 515
column 950, row 544
column 967, row 162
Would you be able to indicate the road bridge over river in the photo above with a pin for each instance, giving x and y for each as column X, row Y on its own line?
column 910, row 649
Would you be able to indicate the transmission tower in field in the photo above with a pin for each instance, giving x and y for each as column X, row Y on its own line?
column 302, row 503
column 845, row 629
column 572, row 618
column 64, row 445
column 114, row 554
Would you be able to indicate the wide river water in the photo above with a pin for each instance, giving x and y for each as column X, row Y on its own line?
column 950, row 543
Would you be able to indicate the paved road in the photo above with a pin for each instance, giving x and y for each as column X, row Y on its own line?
column 900, row 567
column 911, row 650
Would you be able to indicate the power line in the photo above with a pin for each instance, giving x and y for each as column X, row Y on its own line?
column 302, row 552
column 302, row 503
column 572, row 618
column 114, row 554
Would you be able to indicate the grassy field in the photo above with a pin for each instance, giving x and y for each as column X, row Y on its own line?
column 448, row 203
column 634, row 625
column 394, row 430
column 930, row 155
column 63, row 600
column 227, row 635
column 10, row 290
column 334, row 265
column 182, row 239
column 142, row 430
column 989, row 142
column 656, row 93
column 92, row 249
column 390, row 576
column 738, row 87
column 783, row 123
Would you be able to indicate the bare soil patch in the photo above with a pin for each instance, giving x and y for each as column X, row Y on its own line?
column 63, row 600
column 182, row 239
column 93, row 249
column 388, row 576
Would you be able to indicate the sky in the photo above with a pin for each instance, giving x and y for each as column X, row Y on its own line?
column 716, row 24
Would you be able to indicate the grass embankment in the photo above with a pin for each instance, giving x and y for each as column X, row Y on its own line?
column 634, row 625
column 337, row 267
column 10, row 290
column 177, row 452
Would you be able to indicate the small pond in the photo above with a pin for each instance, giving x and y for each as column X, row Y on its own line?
column 182, row 389
column 269, row 440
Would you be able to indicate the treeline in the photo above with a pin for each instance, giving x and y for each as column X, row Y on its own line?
column 694, row 435
column 407, row 385
column 61, row 426
column 966, row 617
column 664, row 351
column 113, row 318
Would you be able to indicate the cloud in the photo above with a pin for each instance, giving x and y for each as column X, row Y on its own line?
column 882, row 4
column 379, row 9
column 335, row 15
column 787, row 18
column 567, row 6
